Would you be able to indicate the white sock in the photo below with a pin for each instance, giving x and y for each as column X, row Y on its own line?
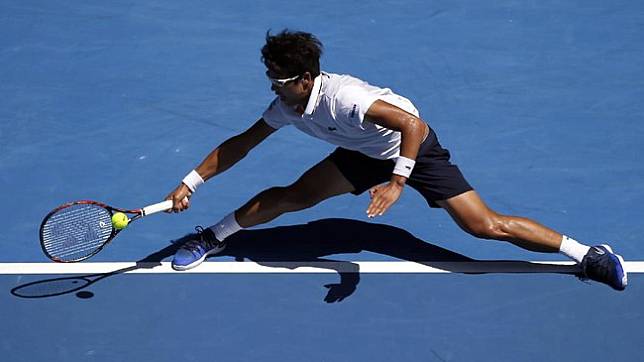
column 573, row 249
column 226, row 227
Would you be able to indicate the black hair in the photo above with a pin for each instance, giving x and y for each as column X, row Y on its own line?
column 291, row 53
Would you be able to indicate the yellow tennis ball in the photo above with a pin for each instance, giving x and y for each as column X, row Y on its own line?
column 120, row 220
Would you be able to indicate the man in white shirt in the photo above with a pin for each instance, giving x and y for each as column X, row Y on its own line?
column 383, row 146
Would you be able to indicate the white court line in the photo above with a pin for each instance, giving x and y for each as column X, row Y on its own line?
column 227, row 267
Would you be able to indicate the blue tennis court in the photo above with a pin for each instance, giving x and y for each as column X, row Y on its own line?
column 540, row 104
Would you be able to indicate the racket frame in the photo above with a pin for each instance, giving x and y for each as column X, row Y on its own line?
column 136, row 214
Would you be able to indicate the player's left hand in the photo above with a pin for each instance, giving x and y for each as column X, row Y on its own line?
column 382, row 197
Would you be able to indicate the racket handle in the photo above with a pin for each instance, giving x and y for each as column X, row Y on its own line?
column 153, row 209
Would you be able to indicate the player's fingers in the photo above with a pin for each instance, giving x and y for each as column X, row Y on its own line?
column 174, row 203
column 180, row 200
column 172, row 196
column 384, row 208
column 375, row 206
column 382, row 205
column 179, row 197
column 177, row 203
column 371, row 207
column 368, row 211
column 377, row 211
column 185, row 203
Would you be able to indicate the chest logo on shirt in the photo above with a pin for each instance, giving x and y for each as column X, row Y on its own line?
column 353, row 111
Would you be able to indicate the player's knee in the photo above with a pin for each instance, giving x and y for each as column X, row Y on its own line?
column 480, row 230
column 489, row 227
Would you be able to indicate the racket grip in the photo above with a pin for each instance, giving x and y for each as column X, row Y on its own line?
column 153, row 209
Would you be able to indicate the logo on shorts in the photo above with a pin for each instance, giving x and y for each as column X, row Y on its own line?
column 332, row 129
column 353, row 111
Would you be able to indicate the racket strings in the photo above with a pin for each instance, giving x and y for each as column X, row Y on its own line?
column 76, row 232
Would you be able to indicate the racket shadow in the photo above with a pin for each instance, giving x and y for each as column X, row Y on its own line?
column 66, row 285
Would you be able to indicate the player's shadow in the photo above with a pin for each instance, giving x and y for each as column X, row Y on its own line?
column 310, row 245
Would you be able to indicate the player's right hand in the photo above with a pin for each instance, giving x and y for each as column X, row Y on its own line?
column 180, row 198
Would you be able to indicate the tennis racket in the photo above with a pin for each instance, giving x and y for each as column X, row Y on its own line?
column 78, row 230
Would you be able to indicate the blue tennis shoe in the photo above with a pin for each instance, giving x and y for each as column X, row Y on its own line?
column 195, row 251
column 602, row 265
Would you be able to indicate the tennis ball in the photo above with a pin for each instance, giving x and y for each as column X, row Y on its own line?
column 120, row 220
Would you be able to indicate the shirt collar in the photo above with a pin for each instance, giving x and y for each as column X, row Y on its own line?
column 315, row 94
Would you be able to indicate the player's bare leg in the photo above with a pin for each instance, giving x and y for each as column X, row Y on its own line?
column 319, row 183
column 476, row 218
column 472, row 215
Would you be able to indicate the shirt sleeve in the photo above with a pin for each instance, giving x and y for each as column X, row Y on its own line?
column 273, row 115
column 352, row 103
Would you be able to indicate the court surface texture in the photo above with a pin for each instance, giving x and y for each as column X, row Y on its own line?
column 539, row 102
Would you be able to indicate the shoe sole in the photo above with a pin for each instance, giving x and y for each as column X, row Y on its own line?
column 621, row 265
column 196, row 263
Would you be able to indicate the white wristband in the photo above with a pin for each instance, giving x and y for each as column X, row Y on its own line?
column 193, row 180
column 404, row 166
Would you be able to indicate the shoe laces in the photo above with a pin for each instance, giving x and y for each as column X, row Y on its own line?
column 200, row 242
column 596, row 266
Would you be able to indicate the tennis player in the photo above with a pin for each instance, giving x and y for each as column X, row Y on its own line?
column 383, row 147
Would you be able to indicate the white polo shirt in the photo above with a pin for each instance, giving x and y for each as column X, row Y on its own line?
column 335, row 113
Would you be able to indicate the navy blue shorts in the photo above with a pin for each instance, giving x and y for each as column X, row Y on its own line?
column 433, row 176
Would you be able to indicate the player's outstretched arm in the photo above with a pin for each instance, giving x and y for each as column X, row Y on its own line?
column 219, row 160
column 412, row 130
